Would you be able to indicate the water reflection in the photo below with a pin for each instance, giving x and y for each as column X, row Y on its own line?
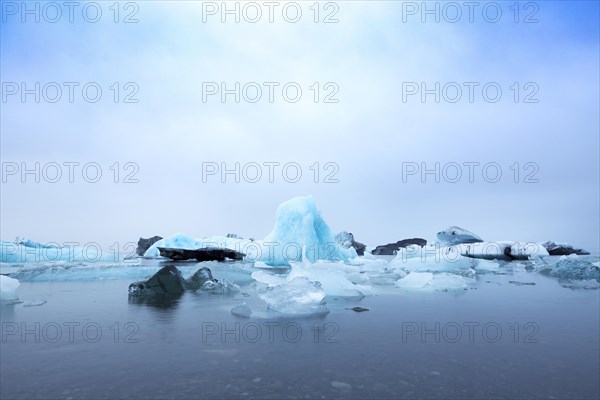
column 159, row 301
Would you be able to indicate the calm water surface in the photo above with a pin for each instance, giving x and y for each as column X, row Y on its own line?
column 496, row 340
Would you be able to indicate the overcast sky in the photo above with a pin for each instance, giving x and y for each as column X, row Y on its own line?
column 542, row 131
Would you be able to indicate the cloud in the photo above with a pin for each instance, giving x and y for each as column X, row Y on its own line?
column 369, row 133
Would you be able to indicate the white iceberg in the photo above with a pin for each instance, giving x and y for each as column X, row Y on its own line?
column 455, row 235
column 8, row 288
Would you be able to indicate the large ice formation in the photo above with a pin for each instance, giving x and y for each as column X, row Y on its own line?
column 298, row 226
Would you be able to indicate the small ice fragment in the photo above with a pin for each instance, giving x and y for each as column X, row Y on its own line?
column 415, row 280
column 446, row 281
column 358, row 309
column 242, row 310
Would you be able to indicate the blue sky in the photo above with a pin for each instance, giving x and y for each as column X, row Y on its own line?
column 368, row 134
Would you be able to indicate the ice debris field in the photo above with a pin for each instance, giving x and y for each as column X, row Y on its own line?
column 299, row 265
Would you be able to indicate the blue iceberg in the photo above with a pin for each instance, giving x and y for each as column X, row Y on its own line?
column 300, row 228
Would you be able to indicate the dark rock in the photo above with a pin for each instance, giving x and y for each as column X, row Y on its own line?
column 145, row 244
column 391, row 248
column 563, row 249
column 198, row 280
column 522, row 283
column 208, row 254
column 346, row 239
column 167, row 280
column 358, row 309
column 508, row 253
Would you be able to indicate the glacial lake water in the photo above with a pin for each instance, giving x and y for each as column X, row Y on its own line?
column 532, row 338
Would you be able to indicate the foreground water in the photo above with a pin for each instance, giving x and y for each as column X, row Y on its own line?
column 514, row 333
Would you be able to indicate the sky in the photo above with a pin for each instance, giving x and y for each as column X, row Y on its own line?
column 499, row 103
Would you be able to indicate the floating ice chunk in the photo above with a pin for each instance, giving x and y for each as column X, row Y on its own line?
column 432, row 258
column 9, row 268
column 268, row 279
column 8, row 288
column 262, row 265
column 298, row 296
column 331, row 275
column 242, row 310
column 357, row 277
column 299, row 225
column 31, row 243
column 176, row 241
column 456, row 235
column 573, row 267
column 415, row 280
column 446, row 281
column 440, row 281
column 220, row 287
